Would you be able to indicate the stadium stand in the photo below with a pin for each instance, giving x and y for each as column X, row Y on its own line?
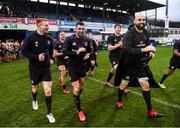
column 66, row 13
column 93, row 12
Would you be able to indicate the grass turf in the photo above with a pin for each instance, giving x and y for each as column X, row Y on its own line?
column 98, row 101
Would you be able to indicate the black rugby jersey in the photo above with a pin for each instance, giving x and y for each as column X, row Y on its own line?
column 112, row 40
column 133, row 42
column 176, row 47
column 72, row 44
column 36, row 44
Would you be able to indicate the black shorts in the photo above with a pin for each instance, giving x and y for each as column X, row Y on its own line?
column 133, row 73
column 6, row 53
column 114, row 60
column 11, row 52
column 76, row 75
column 64, row 62
column 93, row 57
column 39, row 75
column 174, row 64
column 88, row 63
column 17, row 52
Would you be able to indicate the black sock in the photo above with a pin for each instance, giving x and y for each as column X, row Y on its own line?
column 64, row 86
column 109, row 76
column 147, row 98
column 34, row 96
column 92, row 68
column 87, row 69
column 163, row 78
column 120, row 94
column 48, row 103
column 77, row 102
column 80, row 91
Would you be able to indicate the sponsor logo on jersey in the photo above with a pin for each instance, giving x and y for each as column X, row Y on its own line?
column 36, row 44
column 48, row 42
column 74, row 44
column 127, row 77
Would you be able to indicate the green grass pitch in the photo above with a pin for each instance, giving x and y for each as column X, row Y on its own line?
column 98, row 102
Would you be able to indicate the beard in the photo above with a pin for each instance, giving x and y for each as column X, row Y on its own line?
column 81, row 34
column 118, row 33
column 63, row 40
column 140, row 26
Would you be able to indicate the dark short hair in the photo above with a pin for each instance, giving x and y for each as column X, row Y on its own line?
column 61, row 32
column 80, row 23
column 117, row 25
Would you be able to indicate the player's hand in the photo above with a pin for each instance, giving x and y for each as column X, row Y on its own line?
column 149, row 49
column 66, row 57
column 152, row 55
column 51, row 61
column 93, row 62
column 41, row 57
column 61, row 53
column 86, row 57
column 120, row 44
column 81, row 49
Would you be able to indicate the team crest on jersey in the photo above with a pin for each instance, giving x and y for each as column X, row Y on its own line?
column 127, row 77
column 172, row 67
column 48, row 42
column 74, row 44
column 36, row 44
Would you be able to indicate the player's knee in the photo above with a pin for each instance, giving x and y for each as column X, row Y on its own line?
column 145, row 86
column 47, row 91
column 112, row 70
column 35, row 88
column 93, row 63
column 81, row 84
column 124, row 83
column 170, row 72
column 76, row 91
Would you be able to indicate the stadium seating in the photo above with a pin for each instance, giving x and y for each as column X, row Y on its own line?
column 66, row 13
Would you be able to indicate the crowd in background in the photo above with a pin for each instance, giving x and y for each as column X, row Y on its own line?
column 9, row 50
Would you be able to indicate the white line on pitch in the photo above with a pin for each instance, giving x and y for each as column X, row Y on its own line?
column 134, row 92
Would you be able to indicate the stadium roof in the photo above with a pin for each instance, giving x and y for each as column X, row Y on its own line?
column 130, row 6
column 134, row 5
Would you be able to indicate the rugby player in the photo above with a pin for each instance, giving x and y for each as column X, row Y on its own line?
column 38, row 47
column 78, row 49
column 173, row 64
column 133, row 65
column 62, row 61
